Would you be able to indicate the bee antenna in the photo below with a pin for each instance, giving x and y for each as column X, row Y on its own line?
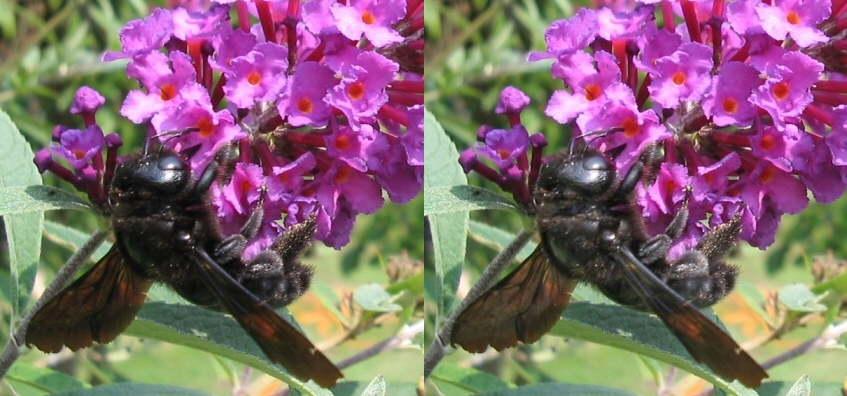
column 170, row 135
column 594, row 135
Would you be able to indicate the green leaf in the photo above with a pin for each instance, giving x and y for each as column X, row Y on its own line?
column 802, row 387
column 470, row 379
column 414, row 284
column 23, row 230
column 373, row 297
column 128, row 388
column 449, row 231
column 634, row 331
column 329, row 298
column 356, row 388
column 209, row 331
column 37, row 199
column 837, row 284
column 552, row 389
column 782, row 388
column 498, row 238
column 72, row 238
column 43, row 379
column 376, row 387
column 755, row 300
column 462, row 198
column 797, row 297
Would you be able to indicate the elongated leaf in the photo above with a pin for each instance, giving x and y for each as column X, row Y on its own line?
column 802, row 387
column 498, row 239
column 43, row 379
column 356, row 388
column 37, row 199
column 799, row 298
column 376, row 387
column 550, row 389
column 128, row 388
column 784, row 388
column 208, row 331
column 373, row 297
column 449, row 231
column 72, row 238
column 469, row 379
column 634, row 331
column 23, row 230
column 462, row 198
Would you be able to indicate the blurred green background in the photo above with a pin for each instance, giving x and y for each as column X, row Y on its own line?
column 50, row 48
column 476, row 48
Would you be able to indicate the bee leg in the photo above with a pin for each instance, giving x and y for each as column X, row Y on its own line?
column 701, row 276
column 645, row 167
column 233, row 246
column 277, row 276
column 699, row 281
column 656, row 248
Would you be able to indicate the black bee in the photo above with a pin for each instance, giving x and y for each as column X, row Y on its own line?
column 166, row 231
column 592, row 231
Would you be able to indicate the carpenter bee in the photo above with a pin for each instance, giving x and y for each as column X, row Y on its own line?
column 166, row 231
column 592, row 231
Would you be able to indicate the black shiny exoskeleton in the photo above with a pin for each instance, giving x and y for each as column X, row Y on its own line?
column 166, row 231
column 592, row 231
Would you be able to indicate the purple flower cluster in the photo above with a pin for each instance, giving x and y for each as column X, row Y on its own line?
column 747, row 102
column 323, row 103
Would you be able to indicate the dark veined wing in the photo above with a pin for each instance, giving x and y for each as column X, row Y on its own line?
column 280, row 341
column 96, row 307
column 523, row 306
column 706, row 342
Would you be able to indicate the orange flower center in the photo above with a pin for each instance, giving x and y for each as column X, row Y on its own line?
column 679, row 78
column 730, row 105
column 343, row 174
column 671, row 185
column 356, row 90
column 254, row 78
column 167, row 92
column 767, row 143
column 368, row 18
column 793, row 18
column 781, row 90
column 246, row 186
column 631, row 127
column 343, row 142
column 79, row 154
column 305, row 105
column 503, row 153
column 768, row 174
column 206, row 127
column 593, row 92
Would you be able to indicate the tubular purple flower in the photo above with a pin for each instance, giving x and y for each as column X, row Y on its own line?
column 745, row 102
column 325, row 122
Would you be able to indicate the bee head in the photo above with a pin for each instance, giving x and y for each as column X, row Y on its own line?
column 162, row 173
column 588, row 173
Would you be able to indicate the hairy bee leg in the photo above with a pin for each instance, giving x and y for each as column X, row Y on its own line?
column 699, row 281
column 277, row 276
column 701, row 276
column 204, row 183
column 656, row 248
column 226, row 158
column 233, row 246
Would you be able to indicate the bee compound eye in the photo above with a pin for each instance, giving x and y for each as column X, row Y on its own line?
column 171, row 162
column 595, row 162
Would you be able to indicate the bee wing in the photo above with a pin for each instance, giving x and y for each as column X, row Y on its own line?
column 706, row 342
column 523, row 306
column 96, row 307
column 280, row 341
